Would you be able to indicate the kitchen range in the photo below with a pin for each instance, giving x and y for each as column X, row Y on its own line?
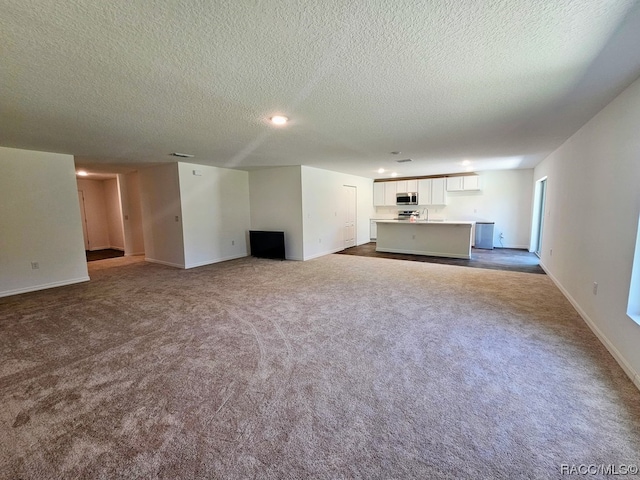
column 409, row 215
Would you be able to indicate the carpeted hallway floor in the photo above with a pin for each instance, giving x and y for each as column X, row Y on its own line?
column 338, row 367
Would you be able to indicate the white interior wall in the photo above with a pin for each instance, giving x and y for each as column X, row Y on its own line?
column 131, row 213
column 95, row 208
column 114, row 213
column 505, row 198
column 40, row 222
column 162, row 214
column 324, row 210
column 591, row 218
column 215, row 213
column 276, row 204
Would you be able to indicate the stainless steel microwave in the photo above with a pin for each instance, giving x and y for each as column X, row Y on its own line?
column 410, row 198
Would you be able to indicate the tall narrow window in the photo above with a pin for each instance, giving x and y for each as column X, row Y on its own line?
column 633, row 308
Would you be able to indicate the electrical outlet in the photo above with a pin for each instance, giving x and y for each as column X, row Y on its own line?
column 551, row 252
column 233, row 242
column 177, row 218
column 501, row 235
column 595, row 288
column 35, row 266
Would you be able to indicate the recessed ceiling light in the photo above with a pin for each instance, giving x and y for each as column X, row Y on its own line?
column 466, row 162
column 381, row 170
column 394, row 174
column 82, row 173
column 279, row 119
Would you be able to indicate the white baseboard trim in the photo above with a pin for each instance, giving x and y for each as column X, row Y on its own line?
column 215, row 260
column 628, row 369
column 422, row 252
column 322, row 254
column 133, row 254
column 162, row 262
column 102, row 247
column 516, row 247
column 120, row 249
column 43, row 286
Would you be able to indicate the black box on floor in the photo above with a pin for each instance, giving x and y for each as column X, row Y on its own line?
column 265, row 244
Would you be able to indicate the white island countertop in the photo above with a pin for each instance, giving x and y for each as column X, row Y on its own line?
column 427, row 222
column 425, row 237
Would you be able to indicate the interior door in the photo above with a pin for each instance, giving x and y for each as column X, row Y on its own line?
column 83, row 216
column 350, row 216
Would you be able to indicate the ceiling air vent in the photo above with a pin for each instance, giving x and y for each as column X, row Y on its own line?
column 181, row 155
column 404, row 161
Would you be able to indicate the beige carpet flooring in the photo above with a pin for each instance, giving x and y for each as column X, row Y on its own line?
column 339, row 367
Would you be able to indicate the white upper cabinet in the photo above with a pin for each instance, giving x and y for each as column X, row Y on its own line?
column 462, row 183
column 454, row 184
column 438, row 191
column 378, row 194
column 406, row 186
column 431, row 191
column 424, row 191
column 390, row 193
column 471, row 182
column 384, row 194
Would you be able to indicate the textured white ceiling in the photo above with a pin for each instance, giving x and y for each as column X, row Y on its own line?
column 497, row 82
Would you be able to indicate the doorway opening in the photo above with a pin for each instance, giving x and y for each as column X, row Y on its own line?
column 537, row 227
column 111, row 215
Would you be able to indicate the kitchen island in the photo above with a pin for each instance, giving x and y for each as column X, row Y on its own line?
column 422, row 237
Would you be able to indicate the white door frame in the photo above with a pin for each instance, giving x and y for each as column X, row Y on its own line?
column 83, row 217
column 537, row 223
